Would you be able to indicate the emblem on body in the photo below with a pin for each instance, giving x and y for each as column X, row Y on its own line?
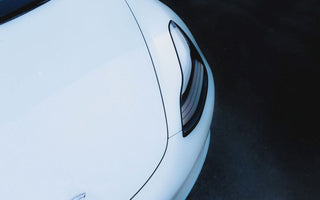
column 79, row 197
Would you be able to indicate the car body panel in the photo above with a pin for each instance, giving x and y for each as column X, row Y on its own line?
column 156, row 33
column 184, row 158
column 80, row 107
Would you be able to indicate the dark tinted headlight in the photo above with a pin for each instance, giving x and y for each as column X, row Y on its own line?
column 195, row 81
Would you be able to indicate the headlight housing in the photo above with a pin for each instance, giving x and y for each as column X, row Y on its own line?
column 195, row 80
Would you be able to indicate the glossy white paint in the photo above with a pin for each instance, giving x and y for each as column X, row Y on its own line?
column 182, row 163
column 81, row 110
column 154, row 17
column 183, row 160
column 80, row 107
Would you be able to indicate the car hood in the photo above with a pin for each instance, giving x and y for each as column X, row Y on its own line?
column 80, row 107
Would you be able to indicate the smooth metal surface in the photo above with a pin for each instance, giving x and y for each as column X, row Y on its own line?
column 80, row 106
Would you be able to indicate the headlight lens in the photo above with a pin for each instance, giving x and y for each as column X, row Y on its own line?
column 195, row 80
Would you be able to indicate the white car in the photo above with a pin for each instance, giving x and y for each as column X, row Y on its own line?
column 102, row 99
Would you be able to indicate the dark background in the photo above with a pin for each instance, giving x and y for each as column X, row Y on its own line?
column 265, row 59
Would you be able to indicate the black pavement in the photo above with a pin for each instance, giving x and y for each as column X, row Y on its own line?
column 265, row 59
